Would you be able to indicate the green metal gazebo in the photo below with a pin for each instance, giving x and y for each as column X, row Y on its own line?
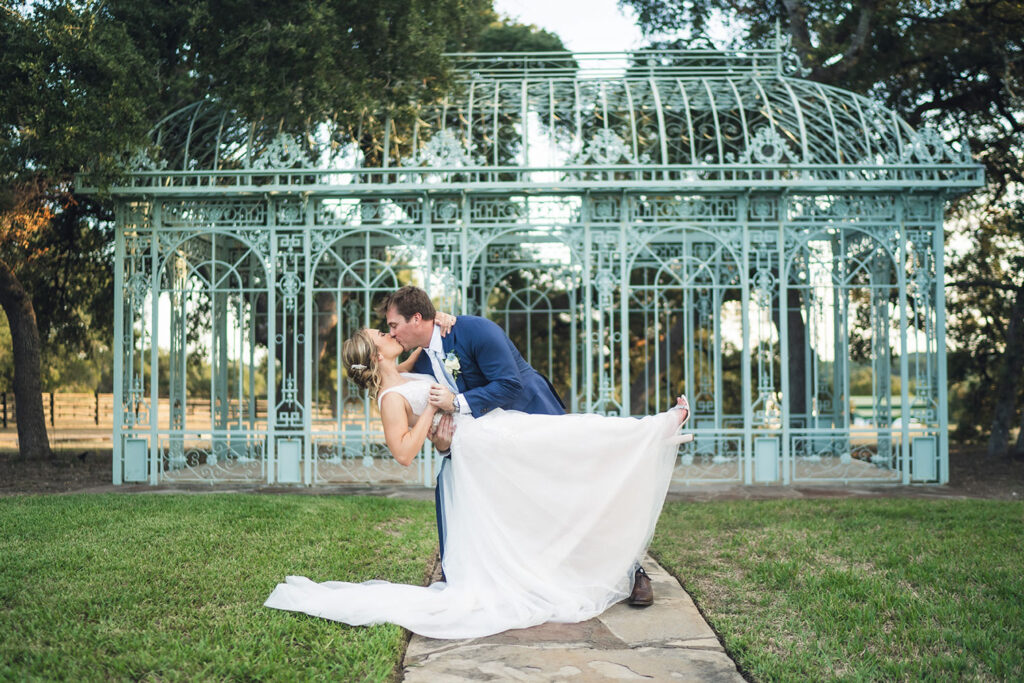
column 642, row 225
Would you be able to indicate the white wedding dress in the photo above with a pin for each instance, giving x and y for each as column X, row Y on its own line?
column 547, row 516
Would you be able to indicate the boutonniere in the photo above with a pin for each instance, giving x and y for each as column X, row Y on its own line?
column 452, row 365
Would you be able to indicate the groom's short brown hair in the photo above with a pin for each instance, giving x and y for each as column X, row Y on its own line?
column 408, row 301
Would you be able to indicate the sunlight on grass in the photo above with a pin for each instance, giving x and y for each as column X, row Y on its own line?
column 883, row 589
column 172, row 586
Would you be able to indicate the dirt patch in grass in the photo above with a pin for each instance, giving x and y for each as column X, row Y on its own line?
column 972, row 475
column 392, row 527
column 66, row 471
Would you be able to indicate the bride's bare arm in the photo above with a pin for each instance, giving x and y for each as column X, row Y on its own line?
column 406, row 365
column 403, row 441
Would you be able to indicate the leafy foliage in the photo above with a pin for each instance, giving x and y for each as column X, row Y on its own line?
column 294, row 64
column 74, row 92
column 505, row 36
column 985, row 281
column 956, row 65
column 84, row 81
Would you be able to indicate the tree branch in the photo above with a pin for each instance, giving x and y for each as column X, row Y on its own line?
column 853, row 52
column 980, row 93
column 984, row 282
column 797, row 14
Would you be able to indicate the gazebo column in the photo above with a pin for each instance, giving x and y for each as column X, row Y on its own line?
column 150, row 333
column 769, row 421
column 288, row 339
column 762, row 453
column 134, row 448
column 219, row 397
column 881, row 360
column 937, row 283
column 745, row 364
column 604, row 290
column 927, row 367
column 588, row 319
column 625, row 400
column 842, row 404
column 177, row 269
column 607, row 245
column 271, row 293
column 694, row 345
column 906, row 414
column 120, row 377
column 252, row 322
column 308, row 370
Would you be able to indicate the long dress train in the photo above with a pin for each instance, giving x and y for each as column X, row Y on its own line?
column 547, row 516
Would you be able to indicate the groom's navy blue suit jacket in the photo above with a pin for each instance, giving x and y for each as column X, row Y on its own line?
column 493, row 374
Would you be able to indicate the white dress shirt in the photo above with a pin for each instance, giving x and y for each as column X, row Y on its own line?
column 436, row 362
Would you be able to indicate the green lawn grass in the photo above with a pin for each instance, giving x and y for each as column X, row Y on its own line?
column 171, row 587
column 881, row 589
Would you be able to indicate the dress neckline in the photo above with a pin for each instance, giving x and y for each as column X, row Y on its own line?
column 410, row 377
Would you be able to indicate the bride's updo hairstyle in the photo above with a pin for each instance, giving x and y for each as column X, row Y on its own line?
column 359, row 354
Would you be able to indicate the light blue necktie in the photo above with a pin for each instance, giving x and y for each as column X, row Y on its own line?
column 441, row 372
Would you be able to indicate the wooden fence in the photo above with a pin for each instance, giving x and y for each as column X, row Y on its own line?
column 64, row 409
column 76, row 417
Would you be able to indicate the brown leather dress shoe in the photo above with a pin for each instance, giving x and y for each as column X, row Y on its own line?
column 643, row 593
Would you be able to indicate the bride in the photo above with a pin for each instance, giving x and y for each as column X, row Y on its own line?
column 547, row 514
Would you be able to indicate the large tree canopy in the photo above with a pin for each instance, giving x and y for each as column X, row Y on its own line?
column 84, row 80
column 299, row 63
column 956, row 65
column 73, row 91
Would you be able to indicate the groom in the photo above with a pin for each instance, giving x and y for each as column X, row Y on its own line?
column 483, row 370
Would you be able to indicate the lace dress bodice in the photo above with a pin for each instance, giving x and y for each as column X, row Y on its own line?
column 415, row 391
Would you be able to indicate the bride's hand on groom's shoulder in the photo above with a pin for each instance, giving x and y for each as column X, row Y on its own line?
column 445, row 321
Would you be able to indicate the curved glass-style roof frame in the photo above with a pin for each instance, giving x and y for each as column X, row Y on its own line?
column 692, row 115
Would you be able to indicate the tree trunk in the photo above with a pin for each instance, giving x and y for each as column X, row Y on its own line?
column 797, row 368
column 1018, row 450
column 797, row 358
column 1009, row 380
column 28, row 388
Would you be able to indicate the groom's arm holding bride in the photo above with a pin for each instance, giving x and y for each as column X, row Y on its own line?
column 489, row 366
column 489, row 360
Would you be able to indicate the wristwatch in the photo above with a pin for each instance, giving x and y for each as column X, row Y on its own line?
column 455, row 403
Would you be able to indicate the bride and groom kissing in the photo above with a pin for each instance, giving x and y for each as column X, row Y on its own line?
column 542, row 516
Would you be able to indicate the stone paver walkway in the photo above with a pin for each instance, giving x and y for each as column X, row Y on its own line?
column 668, row 641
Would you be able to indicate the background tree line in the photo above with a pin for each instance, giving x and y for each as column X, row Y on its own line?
column 84, row 80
